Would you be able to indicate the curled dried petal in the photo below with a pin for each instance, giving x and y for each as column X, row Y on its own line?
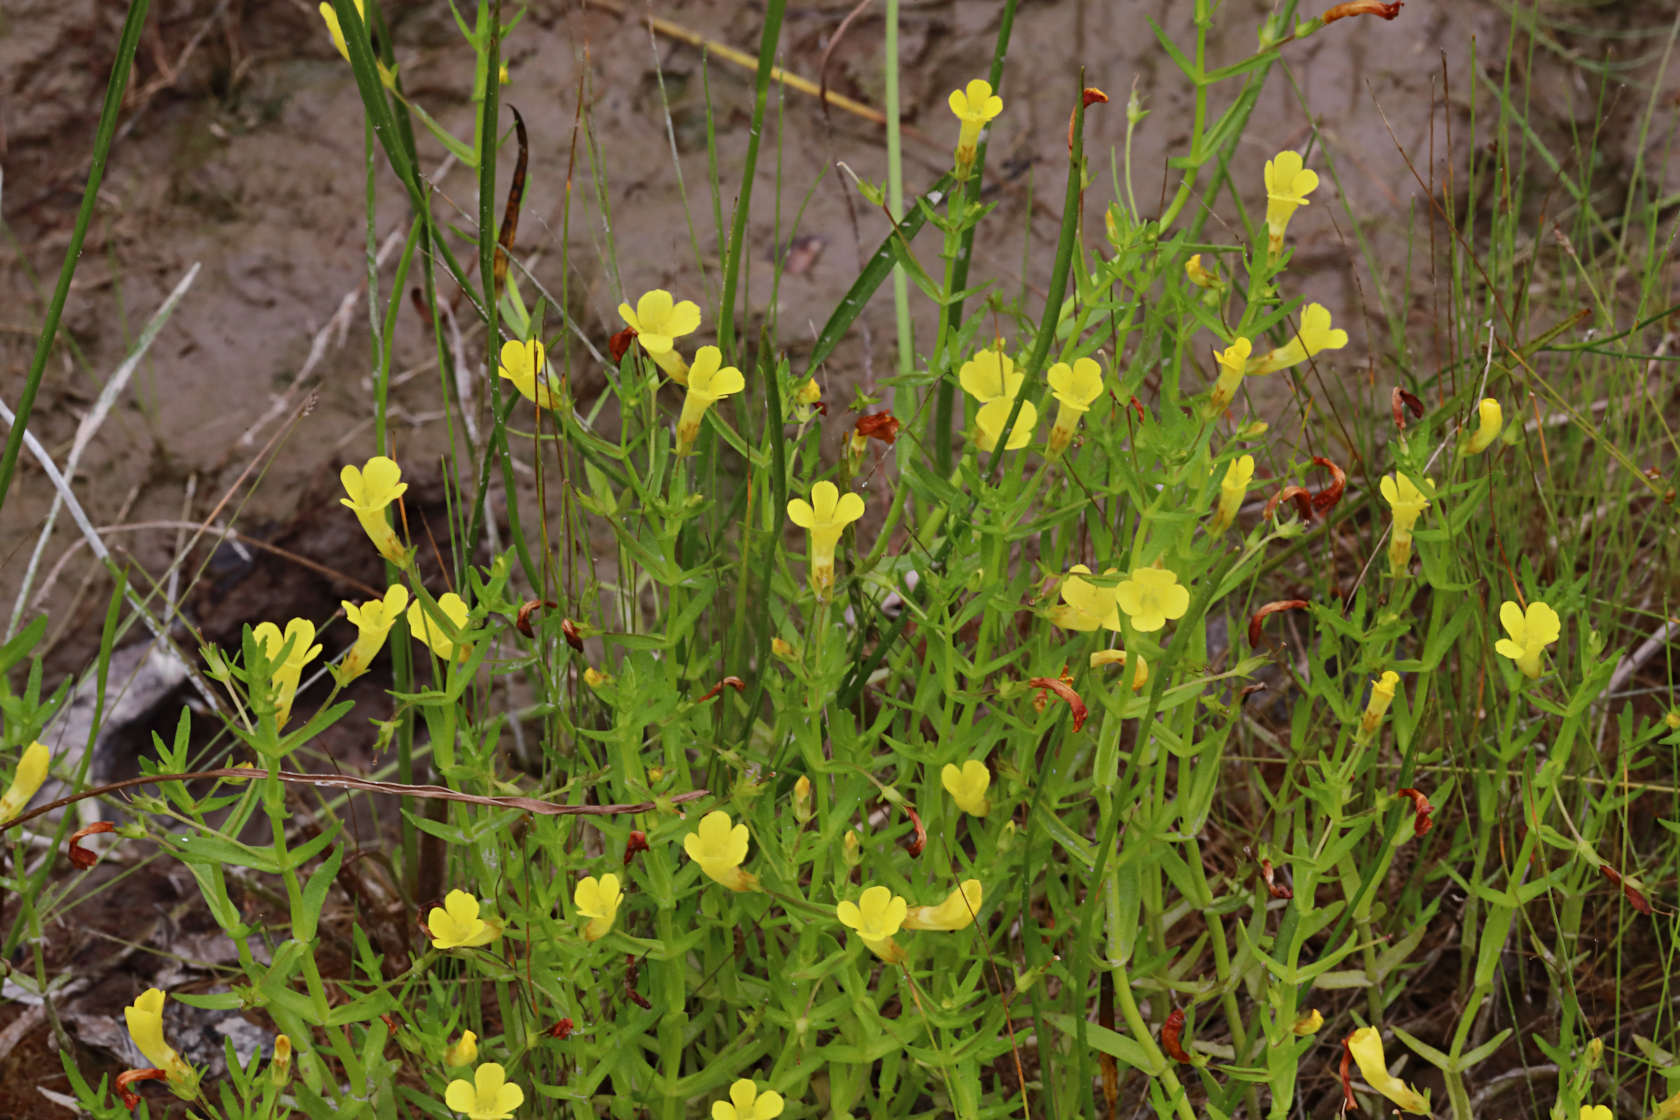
column 1259, row 616
column 523, row 622
column 881, row 425
column 733, row 682
column 1326, row 498
column 1378, row 8
column 1422, row 807
column 84, row 858
column 1171, row 1031
column 1064, row 690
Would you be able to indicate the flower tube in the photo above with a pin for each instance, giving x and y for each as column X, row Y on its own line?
column 1075, row 388
column 974, row 106
column 376, row 485
column 659, row 321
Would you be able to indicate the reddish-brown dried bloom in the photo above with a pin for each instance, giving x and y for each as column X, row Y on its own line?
column 1064, row 690
column 1171, row 1031
column 85, row 858
column 1363, row 8
column 1259, row 616
column 1423, row 809
column 523, row 622
column 878, row 425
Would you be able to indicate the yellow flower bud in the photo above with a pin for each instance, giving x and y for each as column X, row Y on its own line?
column 1382, row 695
column 1308, row 1023
column 803, row 800
column 851, row 848
column 1233, row 488
column 27, row 780
column 1489, row 419
column 463, row 1051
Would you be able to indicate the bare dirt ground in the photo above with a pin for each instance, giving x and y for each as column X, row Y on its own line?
column 241, row 150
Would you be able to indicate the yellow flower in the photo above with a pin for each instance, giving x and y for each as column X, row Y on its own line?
column 707, row 384
column 1151, row 597
column 1668, row 1109
column 284, row 675
column 1365, row 1044
column 1198, row 274
column 488, row 1096
column 991, row 375
column 805, row 400
column 973, row 106
column 1140, row 676
column 1233, row 366
column 967, row 786
column 826, row 515
column 659, row 321
column 1312, row 337
column 1085, row 606
column 1308, row 1023
column 1288, row 184
column 1382, row 695
column 956, row 912
column 371, row 489
column 456, row 924
column 720, row 847
column 1530, row 633
column 463, row 1051
column 431, row 631
column 1233, row 488
column 329, row 16
column 1489, row 419
column 1406, row 499
column 1075, row 388
column 747, row 1103
column 145, row 1025
column 995, row 414
column 876, row 916
column 598, row 900
column 1596, row 1112
column 526, row 365
column 373, row 621
column 27, row 780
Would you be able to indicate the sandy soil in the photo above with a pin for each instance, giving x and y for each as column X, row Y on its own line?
column 242, row 151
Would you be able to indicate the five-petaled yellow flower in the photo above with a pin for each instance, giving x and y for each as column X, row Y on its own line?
column 1150, row 597
column 747, row 1103
column 145, row 1025
column 1075, row 387
column 956, row 912
column 526, row 365
column 1085, row 606
column 1233, row 488
column 1365, row 1044
column 27, row 779
column 974, row 106
column 876, row 916
column 376, row 485
column 990, row 375
column 285, row 673
column 456, row 924
column 373, row 621
column 1233, row 366
column 1489, row 419
column 720, row 847
column 598, row 900
column 708, row 382
column 826, row 516
column 993, row 415
column 1530, row 631
column 463, row 1051
column 488, row 1096
column 1288, row 184
column 659, row 321
column 1313, row 336
column 967, row 785
column 1408, row 501
column 431, row 631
